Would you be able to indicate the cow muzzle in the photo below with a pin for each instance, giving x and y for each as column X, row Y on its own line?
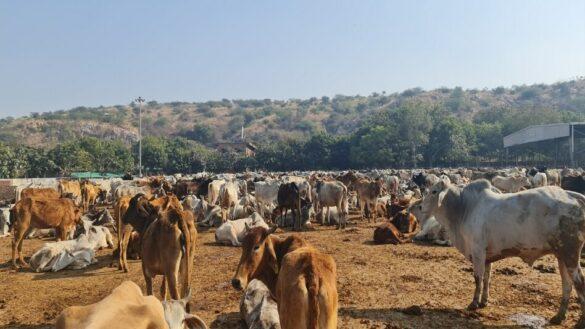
column 237, row 284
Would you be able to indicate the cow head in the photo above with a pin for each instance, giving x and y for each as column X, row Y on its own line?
column 258, row 256
column 433, row 200
column 177, row 314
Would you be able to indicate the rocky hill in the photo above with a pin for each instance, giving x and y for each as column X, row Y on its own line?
column 269, row 120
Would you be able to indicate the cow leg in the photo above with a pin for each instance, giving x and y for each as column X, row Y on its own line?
column 579, row 283
column 163, row 288
column 173, row 288
column 124, row 248
column 567, row 288
column 17, row 244
column 485, row 295
column 374, row 212
column 328, row 216
column 478, row 273
column 148, row 280
column 362, row 206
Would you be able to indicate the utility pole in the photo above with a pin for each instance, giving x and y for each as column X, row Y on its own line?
column 139, row 100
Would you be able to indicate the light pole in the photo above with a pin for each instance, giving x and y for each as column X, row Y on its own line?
column 140, row 100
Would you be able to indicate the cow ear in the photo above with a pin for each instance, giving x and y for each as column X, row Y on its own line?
column 271, row 254
column 194, row 322
column 246, row 227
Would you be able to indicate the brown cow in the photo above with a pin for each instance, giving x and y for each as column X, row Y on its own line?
column 167, row 249
column 41, row 193
column 71, row 188
column 368, row 192
column 140, row 213
column 302, row 279
column 401, row 229
column 61, row 214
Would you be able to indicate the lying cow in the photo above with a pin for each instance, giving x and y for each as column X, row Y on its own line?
column 233, row 231
column 73, row 254
column 401, row 229
column 258, row 308
column 486, row 227
column 126, row 307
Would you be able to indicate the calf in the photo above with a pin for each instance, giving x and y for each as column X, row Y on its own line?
column 302, row 279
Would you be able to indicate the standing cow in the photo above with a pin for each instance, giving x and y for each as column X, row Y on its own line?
column 486, row 226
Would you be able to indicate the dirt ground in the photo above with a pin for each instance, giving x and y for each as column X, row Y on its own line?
column 376, row 285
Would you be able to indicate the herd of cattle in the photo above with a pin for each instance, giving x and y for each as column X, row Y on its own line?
column 486, row 214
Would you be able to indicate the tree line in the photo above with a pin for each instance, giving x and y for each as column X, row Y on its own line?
column 411, row 135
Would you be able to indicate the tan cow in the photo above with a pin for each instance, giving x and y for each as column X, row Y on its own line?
column 61, row 214
column 41, row 193
column 71, row 189
column 126, row 307
column 368, row 192
column 167, row 249
column 89, row 194
column 302, row 279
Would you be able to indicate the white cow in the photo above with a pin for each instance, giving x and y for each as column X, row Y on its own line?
column 233, row 231
column 74, row 254
column 258, row 308
column 228, row 197
column 266, row 194
column 539, row 180
column 244, row 207
column 510, row 184
column 332, row 194
column 486, row 227
column 213, row 190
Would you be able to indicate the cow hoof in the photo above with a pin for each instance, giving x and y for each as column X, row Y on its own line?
column 473, row 306
column 557, row 319
column 483, row 304
column 125, row 270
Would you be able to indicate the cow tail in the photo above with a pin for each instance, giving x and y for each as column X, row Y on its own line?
column 313, row 312
column 186, row 244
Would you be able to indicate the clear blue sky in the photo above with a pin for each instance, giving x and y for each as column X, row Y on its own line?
column 61, row 54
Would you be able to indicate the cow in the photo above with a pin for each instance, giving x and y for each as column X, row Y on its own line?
column 400, row 229
column 167, row 249
column 486, row 227
column 368, row 192
column 71, row 188
column 74, row 254
column 332, row 194
column 424, row 181
column 4, row 221
column 539, row 180
column 574, row 183
column 510, row 184
column 42, row 193
column 302, row 279
column 266, row 194
column 60, row 214
column 139, row 215
column 302, row 184
column 289, row 197
column 129, row 190
column 126, row 307
column 245, row 207
column 228, row 197
column 213, row 189
column 233, row 231
column 258, row 308
column 89, row 194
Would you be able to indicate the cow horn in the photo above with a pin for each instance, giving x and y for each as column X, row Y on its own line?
column 272, row 229
column 187, row 298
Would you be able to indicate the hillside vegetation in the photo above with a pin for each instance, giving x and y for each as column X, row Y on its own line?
column 415, row 127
